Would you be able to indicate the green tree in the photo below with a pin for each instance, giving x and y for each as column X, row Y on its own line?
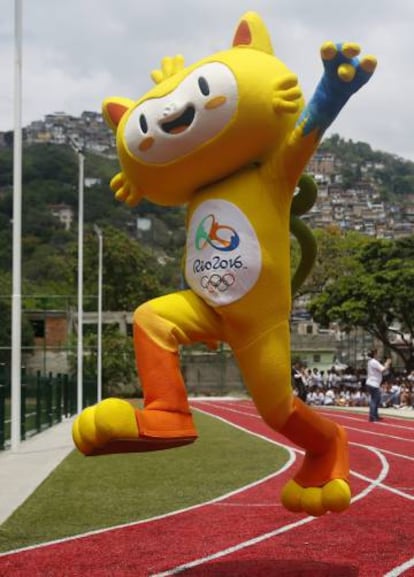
column 118, row 362
column 49, row 162
column 5, row 243
column 130, row 273
column 335, row 258
column 403, row 184
column 49, row 266
column 6, row 321
column 376, row 295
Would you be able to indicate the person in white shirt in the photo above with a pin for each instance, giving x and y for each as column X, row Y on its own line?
column 375, row 371
column 312, row 398
column 329, row 397
column 395, row 395
column 356, row 398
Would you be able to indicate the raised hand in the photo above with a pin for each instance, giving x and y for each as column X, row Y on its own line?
column 344, row 74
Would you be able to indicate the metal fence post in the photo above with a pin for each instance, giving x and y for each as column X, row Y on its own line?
column 73, row 395
column 65, row 394
column 2, row 415
column 84, row 394
column 49, row 400
column 58, row 408
column 38, row 402
column 23, row 412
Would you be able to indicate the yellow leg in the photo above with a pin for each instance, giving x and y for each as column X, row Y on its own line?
column 160, row 327
column 321, row 484
column 265, row 365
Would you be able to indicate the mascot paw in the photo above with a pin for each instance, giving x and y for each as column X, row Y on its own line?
column 335, row 496
column 107, row 421
column 321, row 483
column 115, row 426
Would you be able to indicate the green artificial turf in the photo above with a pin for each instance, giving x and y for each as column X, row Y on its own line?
column 83, row 494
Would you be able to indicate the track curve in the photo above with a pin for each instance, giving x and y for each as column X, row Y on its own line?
column 247, row 532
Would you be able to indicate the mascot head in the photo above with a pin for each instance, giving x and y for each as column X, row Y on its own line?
column 204, row 122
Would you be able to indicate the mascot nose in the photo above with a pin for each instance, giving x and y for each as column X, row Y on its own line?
column 170, row 109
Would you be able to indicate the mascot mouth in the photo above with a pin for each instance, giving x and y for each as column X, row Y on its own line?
column 180, row 123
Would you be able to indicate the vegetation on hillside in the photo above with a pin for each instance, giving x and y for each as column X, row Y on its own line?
column 136, row 269
column 49, row 252
column 394, row 175
column 133, row 271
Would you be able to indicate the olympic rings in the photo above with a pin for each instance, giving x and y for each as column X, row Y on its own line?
column 216, row 282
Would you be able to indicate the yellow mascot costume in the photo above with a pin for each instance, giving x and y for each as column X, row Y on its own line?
column 229, row 137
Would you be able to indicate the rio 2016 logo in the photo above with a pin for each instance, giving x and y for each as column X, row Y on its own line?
column 223, row 257
column 219, row 236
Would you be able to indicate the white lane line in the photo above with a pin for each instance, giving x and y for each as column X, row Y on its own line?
column 398, row 455
column 250, row 410
column 355, row 473
column 230, row 550
column 401, row 569
column 391, row 420
column 379, row 434
column 291, row 459
column 373, row 484
column 378, row 483
column 375, row 433
column 260, row 538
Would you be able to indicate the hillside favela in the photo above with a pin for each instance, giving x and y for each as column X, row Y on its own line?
column 371, row 192
column 363, row 195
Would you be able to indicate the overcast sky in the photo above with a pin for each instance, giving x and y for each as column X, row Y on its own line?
column 78, row 52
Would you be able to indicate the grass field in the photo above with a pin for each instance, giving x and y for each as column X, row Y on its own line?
column 84, row 494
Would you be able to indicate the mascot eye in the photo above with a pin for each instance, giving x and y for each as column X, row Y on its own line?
column 143, row 123
column 203, row 85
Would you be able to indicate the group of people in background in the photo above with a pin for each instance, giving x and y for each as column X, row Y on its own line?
column 374, row 387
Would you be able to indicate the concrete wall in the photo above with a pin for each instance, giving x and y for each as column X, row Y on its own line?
column 212, row 374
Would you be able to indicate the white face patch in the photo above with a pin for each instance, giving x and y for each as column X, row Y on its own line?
column 164, row 129
column 223, row 257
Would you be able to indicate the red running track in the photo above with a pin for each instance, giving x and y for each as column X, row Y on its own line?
column 248, row 533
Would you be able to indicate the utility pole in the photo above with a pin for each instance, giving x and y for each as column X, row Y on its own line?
column 99, row 234
column 16, row 328
column 81, row 180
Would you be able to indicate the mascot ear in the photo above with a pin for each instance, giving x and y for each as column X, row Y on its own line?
column 251, row 32
column 113, row 110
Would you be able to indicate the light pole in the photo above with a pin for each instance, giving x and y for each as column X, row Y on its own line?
column 16, row 328
column 81, row 161
column 99, row 233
